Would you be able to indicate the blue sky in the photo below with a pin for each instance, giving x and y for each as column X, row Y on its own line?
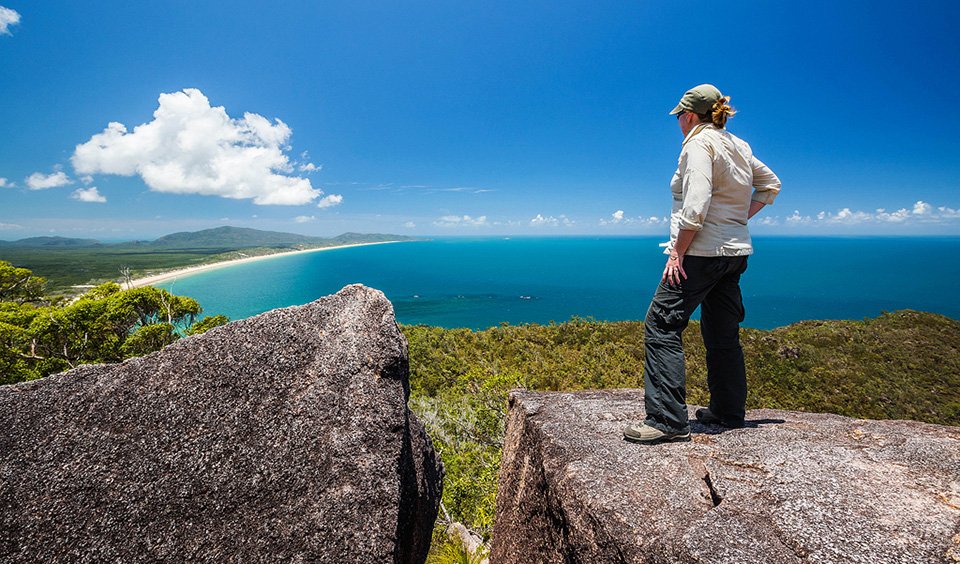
column 456, row 118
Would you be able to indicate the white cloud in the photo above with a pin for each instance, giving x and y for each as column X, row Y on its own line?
column 8, row 18
column 922, row 208
column 90, row 195
column 466, row 189
column 330, row 201
column 193, row 148
column 540, row 220
column 948, row 213
column 5, row 184
column 615, row 218
column 619, row 218
column 309, row 167
column 9, row 226
column 898, row 216
column 768, row 220
column 849, row 217
column 304, row 218
column 551, row 221
column 86, row 180
column 409, row 225
column 457, row 220
column 921, row 212
column 40, row 181
column 797, row 219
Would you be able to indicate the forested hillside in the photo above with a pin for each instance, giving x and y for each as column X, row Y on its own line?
column 901, row 365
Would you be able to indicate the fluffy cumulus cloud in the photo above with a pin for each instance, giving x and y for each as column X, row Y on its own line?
column 919, row 213
column 330, row 201
column 846, row 216
column 4, row 183
column 551, row 221
column 796, row 219
column 922, row 208
column 90, row 195
column 461, row 220
column 8, row 18
column 191, row 147
column 948, row 213
column 898, row 216
column 40, row 181
column 620, row 218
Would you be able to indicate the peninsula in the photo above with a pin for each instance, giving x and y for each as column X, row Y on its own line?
column 73, row 265
column 185, row 271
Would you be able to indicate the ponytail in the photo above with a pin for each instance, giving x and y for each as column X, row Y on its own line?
column 721, row 111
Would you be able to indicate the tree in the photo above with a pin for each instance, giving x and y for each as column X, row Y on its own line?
column 126, row 274
column 207, row 323
column 19, row 284
column 106, row 324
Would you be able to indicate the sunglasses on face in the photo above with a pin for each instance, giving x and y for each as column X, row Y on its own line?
column 680, row 114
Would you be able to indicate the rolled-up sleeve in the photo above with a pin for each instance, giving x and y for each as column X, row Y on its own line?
column 766, row 185
column 696, row 169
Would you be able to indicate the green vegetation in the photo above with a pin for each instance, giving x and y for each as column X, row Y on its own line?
column 68, row 262
column 901, row 365
column 445, row 551
column 41, row 336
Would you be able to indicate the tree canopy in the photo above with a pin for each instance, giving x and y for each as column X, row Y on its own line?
column 40, row 336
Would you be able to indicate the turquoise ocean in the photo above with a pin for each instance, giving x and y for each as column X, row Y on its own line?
column 482, row 282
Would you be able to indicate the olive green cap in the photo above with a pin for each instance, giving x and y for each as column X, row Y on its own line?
column 699, row 100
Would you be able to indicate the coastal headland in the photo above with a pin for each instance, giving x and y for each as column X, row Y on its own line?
column 186, row 271
column 71, row 266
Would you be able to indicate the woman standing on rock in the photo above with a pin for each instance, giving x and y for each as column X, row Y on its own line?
column 717, row 187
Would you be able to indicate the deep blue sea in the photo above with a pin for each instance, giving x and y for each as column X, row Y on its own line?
column 481, row 282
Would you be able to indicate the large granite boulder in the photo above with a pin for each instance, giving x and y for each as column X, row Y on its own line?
column 791, row 487
column 284, row 438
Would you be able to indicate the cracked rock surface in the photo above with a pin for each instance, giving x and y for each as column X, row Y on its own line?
column 280, row 438
column 791, row 487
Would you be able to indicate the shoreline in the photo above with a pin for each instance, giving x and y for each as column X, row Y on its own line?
column 191, row 270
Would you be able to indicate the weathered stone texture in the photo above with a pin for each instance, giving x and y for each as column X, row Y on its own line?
column 791, row 487
column 284, row 437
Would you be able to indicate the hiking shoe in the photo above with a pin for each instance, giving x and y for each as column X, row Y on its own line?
column 707, row 417
column 648, row 435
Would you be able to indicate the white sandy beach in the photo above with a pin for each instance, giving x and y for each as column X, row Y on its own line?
column 180, row 272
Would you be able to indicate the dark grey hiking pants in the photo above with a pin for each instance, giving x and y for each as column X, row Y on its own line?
column 713, row 283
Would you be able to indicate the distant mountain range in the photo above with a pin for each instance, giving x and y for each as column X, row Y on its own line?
column 217, row 238
column 51, row 242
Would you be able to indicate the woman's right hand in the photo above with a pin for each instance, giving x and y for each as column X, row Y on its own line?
column 673, row 270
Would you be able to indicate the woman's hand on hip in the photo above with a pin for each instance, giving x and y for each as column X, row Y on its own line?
column 673, row 270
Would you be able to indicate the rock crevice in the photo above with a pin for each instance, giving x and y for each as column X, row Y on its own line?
column 790, row 487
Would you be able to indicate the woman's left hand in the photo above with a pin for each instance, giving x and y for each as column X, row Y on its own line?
column 673, row 270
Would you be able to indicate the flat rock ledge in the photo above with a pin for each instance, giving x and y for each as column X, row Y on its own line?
column 791, row 487
column 280, row 438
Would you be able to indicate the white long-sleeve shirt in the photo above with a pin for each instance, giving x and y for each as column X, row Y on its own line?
column 717, row 176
